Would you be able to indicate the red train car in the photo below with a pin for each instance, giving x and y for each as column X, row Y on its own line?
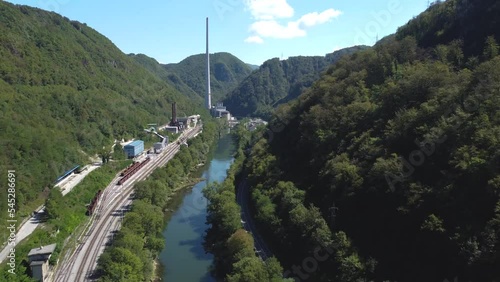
column 131, row 170
column 91, row 207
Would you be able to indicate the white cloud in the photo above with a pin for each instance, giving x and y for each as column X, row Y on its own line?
column 269, row 9
column 272, row 29
column 254, row 39
column 266, row 14
column 315, row 18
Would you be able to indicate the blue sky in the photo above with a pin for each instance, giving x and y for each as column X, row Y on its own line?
column 252, row 30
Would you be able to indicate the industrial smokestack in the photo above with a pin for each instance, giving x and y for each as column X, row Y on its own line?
column 208, row 98
column 174, row 113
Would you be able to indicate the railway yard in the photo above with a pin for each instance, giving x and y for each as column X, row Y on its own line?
column 107, row 212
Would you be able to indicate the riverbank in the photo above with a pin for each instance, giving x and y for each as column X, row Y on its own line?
column 235, row 257
column 173, row 204
column 184, row 258
column 140, row 239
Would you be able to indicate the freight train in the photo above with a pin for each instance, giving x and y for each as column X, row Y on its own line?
column 128, row 172
column 93, row 204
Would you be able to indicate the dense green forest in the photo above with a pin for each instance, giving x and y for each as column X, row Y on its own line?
column 279, row 81
column 226, row 73
column 388, row 167
column 66, row 91
column 172, row 78
column 232, row 246
column 63, row 221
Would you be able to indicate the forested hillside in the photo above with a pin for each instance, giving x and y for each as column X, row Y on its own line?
column 170, row 77
column 226, row 72
column 279, row 81
column 388, row 167
column 65, row 92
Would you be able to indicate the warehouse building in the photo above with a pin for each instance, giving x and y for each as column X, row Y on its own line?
column 134, row 149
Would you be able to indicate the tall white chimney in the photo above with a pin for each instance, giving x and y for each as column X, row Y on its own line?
column 208, row 98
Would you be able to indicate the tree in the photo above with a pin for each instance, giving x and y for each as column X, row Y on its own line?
column 490, row 48
column 118, row 152
column 274, row 269
column 104, row 154
column 240, row 245
column 433, row 223
column 54, row 205
column 248, row 269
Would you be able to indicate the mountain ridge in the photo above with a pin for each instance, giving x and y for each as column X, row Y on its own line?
column 278, row 81
column 390, row 160
column 65, row 89
column 226, row 72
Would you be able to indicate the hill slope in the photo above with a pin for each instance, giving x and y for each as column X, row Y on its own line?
column 389, row 165
column 166, row 75
column 277, row 81
column 226, row 71
column 66, row 91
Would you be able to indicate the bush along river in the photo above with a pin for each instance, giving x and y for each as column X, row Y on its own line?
column 184, row 259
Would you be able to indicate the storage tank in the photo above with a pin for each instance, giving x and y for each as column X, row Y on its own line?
column 133, row 149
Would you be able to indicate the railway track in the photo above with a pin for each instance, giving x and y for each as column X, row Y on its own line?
column 114, row 199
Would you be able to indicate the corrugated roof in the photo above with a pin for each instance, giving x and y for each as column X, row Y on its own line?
column 42, row 250
column 135, row 143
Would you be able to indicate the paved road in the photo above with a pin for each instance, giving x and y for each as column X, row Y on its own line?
column 24, row 231
column 33, row 222
column 115, row 200
column 243, row 198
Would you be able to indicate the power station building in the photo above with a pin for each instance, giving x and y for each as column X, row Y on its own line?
column 218, row 111
column 134, row 149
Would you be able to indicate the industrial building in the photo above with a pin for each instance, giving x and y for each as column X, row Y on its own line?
column 39, row 261
column 175, row 126
column 158, row 146
column 220, row 111
column 172, row 129
column 134, row 149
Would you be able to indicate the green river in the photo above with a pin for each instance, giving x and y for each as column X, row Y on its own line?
column 184, row 259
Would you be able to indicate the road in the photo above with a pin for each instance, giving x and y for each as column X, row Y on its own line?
column 106, row 220
column 34, row 221
column 24, row 231
column 243, row 198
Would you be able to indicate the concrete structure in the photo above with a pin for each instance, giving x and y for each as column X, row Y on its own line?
column 173, row 129
column 220, row 111
column 174, row 121
column 208, row 97
column 134, row 149
column 39, row 261
column 158, row 146
column 176, row 124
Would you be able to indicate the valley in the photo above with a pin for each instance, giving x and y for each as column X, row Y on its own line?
column 132, row 151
